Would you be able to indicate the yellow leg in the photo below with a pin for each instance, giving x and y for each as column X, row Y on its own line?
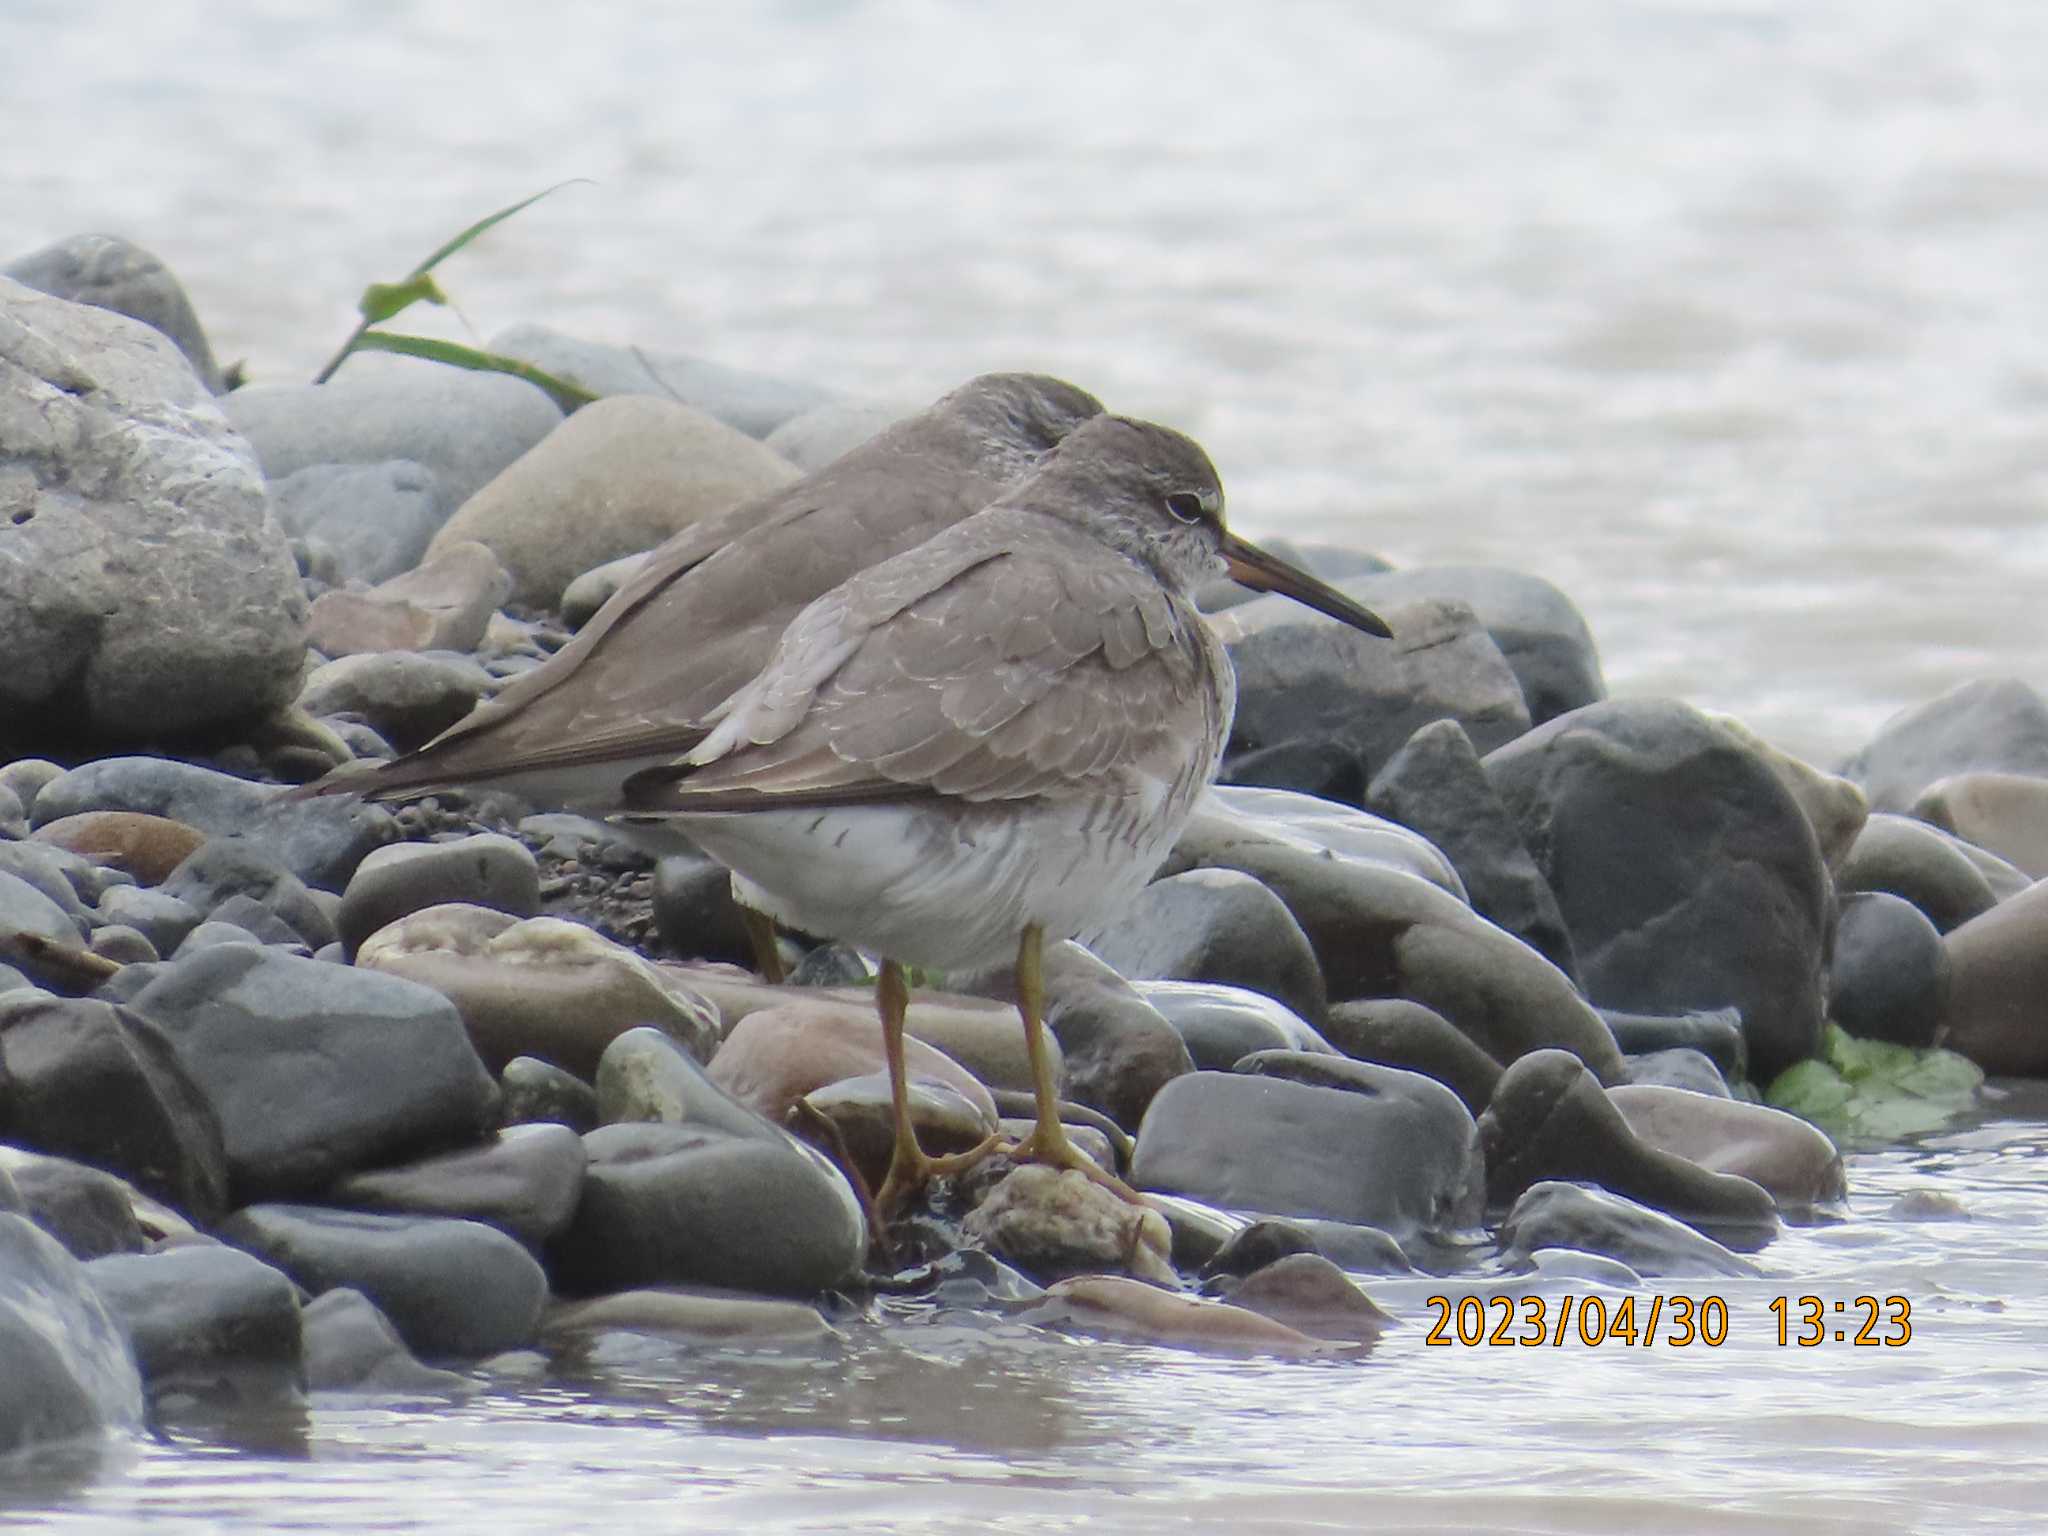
column 1048, row 1141
column 909, row 1168
column 761, row 936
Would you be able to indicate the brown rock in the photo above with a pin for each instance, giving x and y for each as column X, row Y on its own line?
column 1998, row 977
column 1131, row 1309
column 775, row 1056
column 147, row 847
column 444, row 604
column 1790, row 1157
column 2006, row 813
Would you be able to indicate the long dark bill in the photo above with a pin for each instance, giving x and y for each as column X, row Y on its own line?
column 1262, row 572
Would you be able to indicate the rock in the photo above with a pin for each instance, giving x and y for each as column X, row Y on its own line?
column 225, row 868
column 147, row 847
column 1221, row 1025
column 1550, row 1120
column 540, row 987
column 2005, row 814
column 26, row 776
column 84, row 1209
column 1399, row 1155
column 26, row 910
column 753, row 402
column 321, row 841
column 1687, row 873
column 1680, row 1067
column 1366, row 1250
column 350, row 1346
column 1435, row 785
column 1917, row 863
column 1791, row 1159
column 205, row 1319
column 1301, row 675
column 645, row 1075
column 617, row 478
column 694, row 912
column 485, row 870
column 1835, row 807
column 536, row 1092
column 1997, row 725
column 83, row 1079
column 68, row 880
column 363, row 521
column 1215, row 925
column 1559, row 1215
column 1117, row 1050
column 110, row 447
column 1715, row 1033
column 443, row 605
column 213, row 935
column 775, row 1056
column 464, row 426
column 1398, row 1033
column 123, row 945
column 1054, row 1223
column 1309, row 765
column 524, row 1181
column 814, row 438
column 594, row 588
column 689, row 1205
column 1998, row 976
column 1253, row 1247
column 1135, row 1311
column 69, row 1369
column 451, row 1288
column 861, row 1112
column 706, row 1319
column 315, row 1070
column 407, row 697
column 109, row 272
column 1538, row 629
column 1306, row 1291
column 13, row 814
column 1890, row 978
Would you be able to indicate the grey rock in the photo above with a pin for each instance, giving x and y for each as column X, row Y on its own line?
column 223, row 869
column 204, row 1317
column 1550, row 1119
column 1553, row 1214
column 72, row 882
column 486, row 870
column 27, row 910
column 215, row 935
column 69, row 1371
column 13, row 814
column 753, row 402
column 647, row 1075
column 123, row 945
column 163, row 920
column 1435, row 785
column 1686, row 871
column 1920, row 864
column 464, row 426
column 1396, row 1032
column 451, row 1288
column 1679, row 1067
column 367, row 522
column 1715, row 1033
column 524, row 1181
column 541, row 1093
column 84, row 1079
column 26, row 776
column 1890, row 978
column 408, row 697
column 816, row 437
column 1308, row 765
column 252, row 917
column 1400, row 1155
column 616, row 478
column 1215, row 925
column 321, row 841
column 690, row 1205
column 1301, row 675
column 694, row 912
column 1222, row 1025
column 594, row 588
column 316, row 1070
column 109, row 447
column 1994, row 724
column 1117, row 1050
column 2003, row 814
column 1538, row 629
column 84, row 1209
column 350, row 1346
column 109, row 272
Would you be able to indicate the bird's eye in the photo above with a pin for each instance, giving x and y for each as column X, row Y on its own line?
column 1185, row 505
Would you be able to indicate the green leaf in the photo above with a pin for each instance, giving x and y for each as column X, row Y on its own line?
column 443, row 252
column 380, row 301
column 569, row 397
column 1874, row 1091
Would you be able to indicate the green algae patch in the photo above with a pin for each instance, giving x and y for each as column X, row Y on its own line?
column 1872, row 1091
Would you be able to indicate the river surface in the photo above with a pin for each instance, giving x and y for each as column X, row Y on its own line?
column 1729, row 318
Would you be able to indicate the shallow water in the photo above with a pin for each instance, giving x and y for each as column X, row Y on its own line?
column 1727, row 317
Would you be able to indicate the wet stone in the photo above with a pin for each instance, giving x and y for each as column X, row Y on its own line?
column 1215, row 925
column 1560, row 1215
column 1396, row 1032
column 69, row 1371
column 536, row 1092
column 486, row 870
column 204, row 1317
column 1890, row 977
column 524, row 1181
column 1223, row 1024
column 350, row 1346
column 1053, row 1223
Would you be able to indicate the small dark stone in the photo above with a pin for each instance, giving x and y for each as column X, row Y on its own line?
column 1890, row 979
column 539, row 1092
column 1398, row 1033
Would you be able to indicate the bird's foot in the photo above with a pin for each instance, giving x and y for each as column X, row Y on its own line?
column 1049, row 1143
column 911, row 1169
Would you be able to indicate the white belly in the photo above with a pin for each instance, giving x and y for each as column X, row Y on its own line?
column 949, row 885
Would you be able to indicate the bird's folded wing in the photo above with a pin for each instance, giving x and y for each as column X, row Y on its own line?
column 1022, row 673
